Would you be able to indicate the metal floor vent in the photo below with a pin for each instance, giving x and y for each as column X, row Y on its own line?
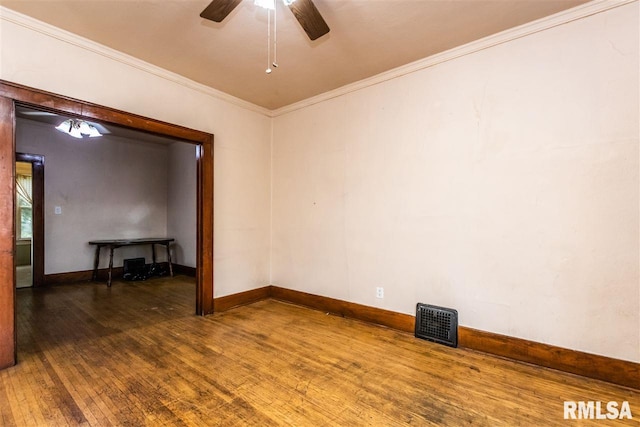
column 437, row 324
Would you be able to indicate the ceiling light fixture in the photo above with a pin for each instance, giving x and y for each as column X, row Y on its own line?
column 78, row 128
column 270, row 5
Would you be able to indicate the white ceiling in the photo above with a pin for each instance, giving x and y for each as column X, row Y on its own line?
column 367, row 37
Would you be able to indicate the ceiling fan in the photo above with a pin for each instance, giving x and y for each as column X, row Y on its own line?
column 304, row 10
column 53, row 118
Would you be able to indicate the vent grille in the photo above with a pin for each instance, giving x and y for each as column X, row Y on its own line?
column 133, row 265
column 437, row 324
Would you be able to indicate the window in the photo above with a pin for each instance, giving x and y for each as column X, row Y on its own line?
column 25, row 216
column 24, row 210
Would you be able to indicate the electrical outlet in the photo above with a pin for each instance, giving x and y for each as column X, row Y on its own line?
column 379, row 292
column 57, row 210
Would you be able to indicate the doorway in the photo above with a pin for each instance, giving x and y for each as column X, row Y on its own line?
column 24, row 225
column 29, row 221
column 12, row 94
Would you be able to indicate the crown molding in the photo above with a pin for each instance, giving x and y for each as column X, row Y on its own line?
column 97, row 48
column 561, row 18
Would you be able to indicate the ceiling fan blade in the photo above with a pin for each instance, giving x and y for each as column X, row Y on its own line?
column 219, row 9
column 37, row 113
column 309, row 18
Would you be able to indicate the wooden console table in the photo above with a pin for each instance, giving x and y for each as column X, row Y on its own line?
column 118, row 243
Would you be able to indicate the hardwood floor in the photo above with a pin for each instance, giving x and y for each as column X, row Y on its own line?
column 135, row 354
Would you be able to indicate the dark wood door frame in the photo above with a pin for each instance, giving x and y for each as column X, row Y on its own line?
column 7, row 235
column 12, row 94
column 37, row 239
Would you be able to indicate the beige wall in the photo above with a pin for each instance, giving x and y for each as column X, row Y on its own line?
column 242, row 136
column 503, row 184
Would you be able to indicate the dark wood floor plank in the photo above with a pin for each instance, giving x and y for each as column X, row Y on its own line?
column 134, row 354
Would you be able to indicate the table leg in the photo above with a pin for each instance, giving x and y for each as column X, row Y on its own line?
column 96, row 261
column 110, row 265
column 153, row 254
column 169, row 259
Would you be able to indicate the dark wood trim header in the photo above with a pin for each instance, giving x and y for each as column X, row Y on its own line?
column 48, row 101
